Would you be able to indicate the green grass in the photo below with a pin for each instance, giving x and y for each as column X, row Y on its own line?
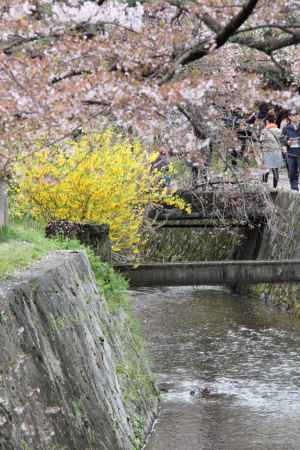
column 24, row 242
column 20, row 246
column 111, row 283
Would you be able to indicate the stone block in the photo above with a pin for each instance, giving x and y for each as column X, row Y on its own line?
column 93, row 235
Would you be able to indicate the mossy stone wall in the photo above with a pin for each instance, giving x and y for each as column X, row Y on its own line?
column 282, row 241
column 73, row 375
column 192, row 244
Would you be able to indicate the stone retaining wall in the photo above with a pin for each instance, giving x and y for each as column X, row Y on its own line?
column 282, row 241
column 64, row 379
column 3, row 204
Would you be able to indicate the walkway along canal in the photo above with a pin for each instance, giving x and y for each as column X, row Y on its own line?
column 228, row 368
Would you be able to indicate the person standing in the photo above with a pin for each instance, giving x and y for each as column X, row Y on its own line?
column 282, row 123
column 271, row 149
column 291, row 139
column 161, row 161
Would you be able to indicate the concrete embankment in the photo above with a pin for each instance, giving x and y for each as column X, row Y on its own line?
column 72, row 374
column 211, row 273
column 281, row 240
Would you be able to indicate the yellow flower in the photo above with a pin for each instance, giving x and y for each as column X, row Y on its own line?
column 100, row 178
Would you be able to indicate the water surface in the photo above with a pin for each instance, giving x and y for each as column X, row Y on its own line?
column 246, row 355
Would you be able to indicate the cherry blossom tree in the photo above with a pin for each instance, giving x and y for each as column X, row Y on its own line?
column 73, row 65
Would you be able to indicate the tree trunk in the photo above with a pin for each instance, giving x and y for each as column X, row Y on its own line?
column 3, row 204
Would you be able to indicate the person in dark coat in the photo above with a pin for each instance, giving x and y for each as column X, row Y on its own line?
column 291, row 139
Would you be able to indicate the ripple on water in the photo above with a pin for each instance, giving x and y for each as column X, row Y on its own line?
column 248, row 359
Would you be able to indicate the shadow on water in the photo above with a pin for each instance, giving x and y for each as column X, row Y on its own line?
column 228, row 368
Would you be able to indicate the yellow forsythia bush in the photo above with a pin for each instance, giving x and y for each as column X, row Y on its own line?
column 97, row 179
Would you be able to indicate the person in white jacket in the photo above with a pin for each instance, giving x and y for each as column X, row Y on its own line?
column 271, row 149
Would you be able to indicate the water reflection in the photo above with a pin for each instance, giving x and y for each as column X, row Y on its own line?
column 244, row 354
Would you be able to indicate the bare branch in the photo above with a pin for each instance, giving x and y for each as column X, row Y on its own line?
column 267, row 46
column 201, row 49
column 73, row 73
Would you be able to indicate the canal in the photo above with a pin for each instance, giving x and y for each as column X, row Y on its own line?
column 228, row 369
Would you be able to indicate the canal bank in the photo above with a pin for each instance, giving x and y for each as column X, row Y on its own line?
column 74, row 374
column 281, row 240
column 228, row 368
column 228, row 365
column 276, row 238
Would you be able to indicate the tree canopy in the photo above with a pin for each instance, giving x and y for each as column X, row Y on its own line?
column 72, row 64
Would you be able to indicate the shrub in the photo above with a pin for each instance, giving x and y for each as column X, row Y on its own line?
column 98, row 179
